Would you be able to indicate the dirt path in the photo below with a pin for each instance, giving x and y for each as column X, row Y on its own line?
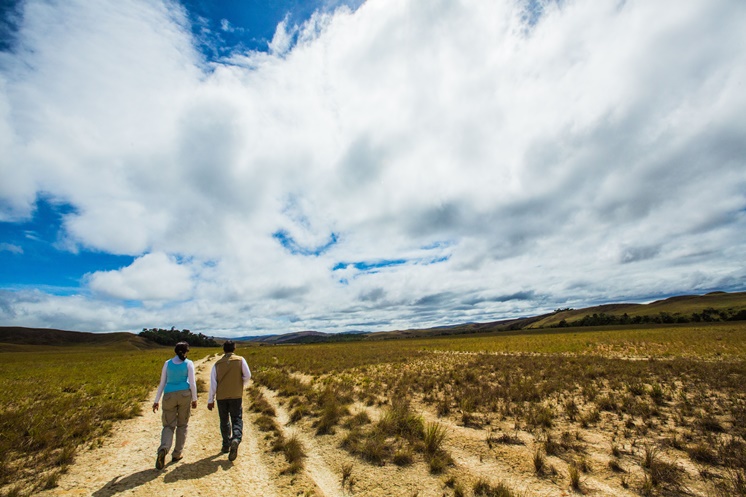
column 125, row 463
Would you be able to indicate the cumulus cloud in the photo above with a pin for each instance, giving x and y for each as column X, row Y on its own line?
column 152, row 277
column 393, row 166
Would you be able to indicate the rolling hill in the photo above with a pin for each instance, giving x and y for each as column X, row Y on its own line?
column 715, row 306
column 16, row 338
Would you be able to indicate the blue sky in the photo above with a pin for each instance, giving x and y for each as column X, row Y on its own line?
column 33, row 253
column 226, row 27
column 244, row 168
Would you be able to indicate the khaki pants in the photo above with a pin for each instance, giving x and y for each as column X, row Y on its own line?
column 176, row 409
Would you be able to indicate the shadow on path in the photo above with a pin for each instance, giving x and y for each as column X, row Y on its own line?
column 118, row 485
column 198, row 469
column 191, row 471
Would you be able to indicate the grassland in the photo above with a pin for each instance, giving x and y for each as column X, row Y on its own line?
column 56, row 399
column 660, row 410
column 635, row 410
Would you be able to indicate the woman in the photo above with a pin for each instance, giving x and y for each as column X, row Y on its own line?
column 180, row 394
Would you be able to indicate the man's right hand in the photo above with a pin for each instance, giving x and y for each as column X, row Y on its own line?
column 210, row 405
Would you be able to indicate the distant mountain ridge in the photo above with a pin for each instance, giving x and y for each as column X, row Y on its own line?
column 714, row 304
column 308, row 336
column 18, row 335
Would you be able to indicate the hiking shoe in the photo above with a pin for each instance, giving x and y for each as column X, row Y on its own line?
column 233, row 451
column 225, row 449
column 176, row 458
column 160, row 461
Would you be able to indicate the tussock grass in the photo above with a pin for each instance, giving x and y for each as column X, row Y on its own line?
column 260, row 404
column 503, row 439
column 332, row 411
column 293, row 450
column 482, row 488
column 573, row 473
column 434, row 436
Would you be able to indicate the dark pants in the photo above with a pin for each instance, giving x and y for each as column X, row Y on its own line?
column 230, row 429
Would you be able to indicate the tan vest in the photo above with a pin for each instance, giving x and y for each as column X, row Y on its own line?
column 230, row 381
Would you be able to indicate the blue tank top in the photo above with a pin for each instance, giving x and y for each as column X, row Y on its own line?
column 177, row 376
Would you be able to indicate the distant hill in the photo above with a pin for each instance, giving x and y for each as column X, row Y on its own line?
column 18, row 336
column 710, row 307
column 715, row 306
column 302, row 337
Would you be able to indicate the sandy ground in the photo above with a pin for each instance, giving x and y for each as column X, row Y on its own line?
column 124, row 464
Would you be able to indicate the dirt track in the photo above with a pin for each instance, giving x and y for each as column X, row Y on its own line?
column 125, row 464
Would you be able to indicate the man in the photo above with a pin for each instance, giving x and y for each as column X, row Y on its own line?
column 228, row 378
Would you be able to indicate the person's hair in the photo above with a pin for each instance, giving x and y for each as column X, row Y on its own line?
column 181, row 349
column 229, row 346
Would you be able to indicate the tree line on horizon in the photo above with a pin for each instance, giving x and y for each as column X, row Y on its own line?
column 174, row 336
column 708, row 315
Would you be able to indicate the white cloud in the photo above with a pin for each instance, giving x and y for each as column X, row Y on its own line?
column 282, row 39
column 596, row 154
column 12, row 248
column 152, row 277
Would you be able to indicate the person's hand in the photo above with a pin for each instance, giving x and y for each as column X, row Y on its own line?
column 194, row 404
column 155, row 406
column 210, row 405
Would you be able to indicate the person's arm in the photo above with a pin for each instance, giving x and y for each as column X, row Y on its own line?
column 213, row 389
column 245, row 372
column 192, row 382
column 161, row 386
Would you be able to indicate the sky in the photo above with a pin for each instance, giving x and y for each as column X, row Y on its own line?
column 256, row 167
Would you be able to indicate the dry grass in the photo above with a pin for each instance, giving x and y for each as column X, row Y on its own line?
column 70, row 398
column 674, row 400
column 659, row 400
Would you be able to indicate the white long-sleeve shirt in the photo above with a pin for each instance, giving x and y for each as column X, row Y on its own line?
column 190, row 379
column 245, row 376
